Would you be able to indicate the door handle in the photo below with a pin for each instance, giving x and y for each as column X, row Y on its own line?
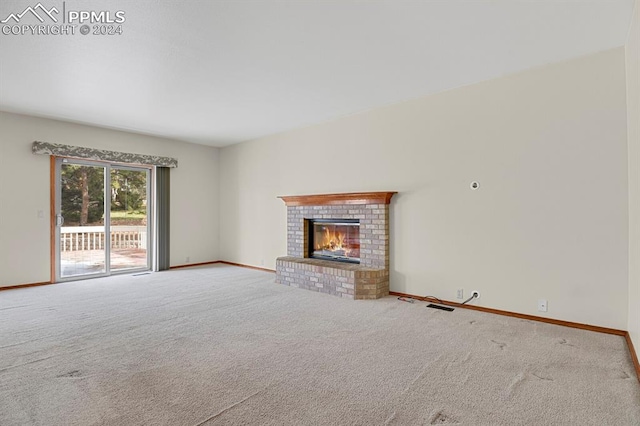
column 59, row 220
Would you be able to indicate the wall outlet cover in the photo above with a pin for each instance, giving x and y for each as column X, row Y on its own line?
column 542, row 305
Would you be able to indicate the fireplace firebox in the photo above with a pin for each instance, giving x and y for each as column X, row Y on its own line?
column 335, row 239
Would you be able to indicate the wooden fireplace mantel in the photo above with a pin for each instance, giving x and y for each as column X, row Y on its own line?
column 344, row 198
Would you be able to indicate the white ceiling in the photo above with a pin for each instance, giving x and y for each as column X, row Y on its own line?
column 221, row 72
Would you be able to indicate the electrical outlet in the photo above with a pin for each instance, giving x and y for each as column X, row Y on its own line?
column 187, row 259
column 542, row 305
column 460, row 293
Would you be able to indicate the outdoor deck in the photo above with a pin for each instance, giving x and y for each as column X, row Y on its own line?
column 82, row 249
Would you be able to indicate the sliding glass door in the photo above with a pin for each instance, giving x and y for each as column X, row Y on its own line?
column 129, row 216
column 102, row 219
column 80, row 220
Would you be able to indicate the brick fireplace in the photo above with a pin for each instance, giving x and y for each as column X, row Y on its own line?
column 336, row 269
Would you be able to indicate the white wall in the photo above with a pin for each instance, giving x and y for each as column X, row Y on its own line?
column 549, row 148
column 24, row 189
column 632, row 50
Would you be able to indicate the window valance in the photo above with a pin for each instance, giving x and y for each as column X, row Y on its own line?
column 46, row 148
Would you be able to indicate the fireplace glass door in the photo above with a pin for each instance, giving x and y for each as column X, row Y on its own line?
column 335, row 240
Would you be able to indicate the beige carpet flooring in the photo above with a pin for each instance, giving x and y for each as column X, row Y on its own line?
column 222, row 345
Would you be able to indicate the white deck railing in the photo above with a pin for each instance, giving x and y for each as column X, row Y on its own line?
column 77, row 238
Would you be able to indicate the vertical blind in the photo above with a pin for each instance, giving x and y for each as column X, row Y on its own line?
column 163, row 186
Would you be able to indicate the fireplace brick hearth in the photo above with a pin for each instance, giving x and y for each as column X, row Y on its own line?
column 367, row 280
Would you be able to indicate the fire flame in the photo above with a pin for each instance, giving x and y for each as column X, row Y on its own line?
column 332, row 240
column 339, row 243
